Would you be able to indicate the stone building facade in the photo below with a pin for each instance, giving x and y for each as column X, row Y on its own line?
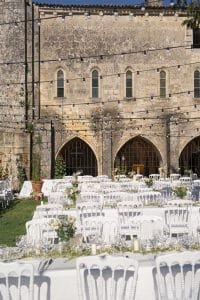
column 106, row 87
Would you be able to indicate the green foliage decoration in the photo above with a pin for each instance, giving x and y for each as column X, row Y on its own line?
column 60, row 168
column 180, row 191
column 36, row 167
column 149, row 182
column 21, row 174
column 4, row 173
column 193, row 15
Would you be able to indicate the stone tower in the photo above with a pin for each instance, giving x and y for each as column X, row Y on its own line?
column 14, row 85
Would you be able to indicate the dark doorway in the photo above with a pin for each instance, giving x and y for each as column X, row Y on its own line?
column 190, row 157
column 138, row 155
column 79, row 156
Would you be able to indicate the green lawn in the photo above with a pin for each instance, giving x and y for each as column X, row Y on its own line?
column 13, row 219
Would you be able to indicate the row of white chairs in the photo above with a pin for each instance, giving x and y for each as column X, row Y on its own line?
column 131, row 223
column 176, row 277
column 146, row 197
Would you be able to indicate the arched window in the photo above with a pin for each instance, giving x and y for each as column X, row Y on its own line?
column 95, row 84
column 129, row 88
column 60, row 83
column 196, row 84
column 162, row 84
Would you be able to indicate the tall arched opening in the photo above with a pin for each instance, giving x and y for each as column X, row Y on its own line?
column 190, row 157
column 79, row 156
column 139, row 155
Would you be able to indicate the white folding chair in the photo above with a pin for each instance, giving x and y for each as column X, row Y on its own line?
column 174, row 177
column 126, row 216
column 178, row 276
column 106, row 278
column 39, row 232
column 154, row 176
column 90, row 196
column 90, row 220
column 16, row 281
column 177, row 221
column 148, row 226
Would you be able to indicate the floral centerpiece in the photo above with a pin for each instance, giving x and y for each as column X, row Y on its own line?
column 64, row 226
column 74, row 191
column 149, row 182
column 115, row 174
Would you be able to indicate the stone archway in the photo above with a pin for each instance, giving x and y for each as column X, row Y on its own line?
column 78, row 155
column 140, row 155
column 190, row 157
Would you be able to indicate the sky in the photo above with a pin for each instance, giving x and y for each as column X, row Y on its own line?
column 103, row 2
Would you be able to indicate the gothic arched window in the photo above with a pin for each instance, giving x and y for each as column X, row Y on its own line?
column 196, row 84
column 162, row 84
column 95, row 84
column 60, row 83
column 129, row 86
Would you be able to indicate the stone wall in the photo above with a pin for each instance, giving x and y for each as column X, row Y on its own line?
column 112, row 42
column 14, row 143
column 80, row 43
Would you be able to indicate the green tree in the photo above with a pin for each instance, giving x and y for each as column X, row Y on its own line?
column 193, row 13
column 60, row 167
column 21, row 175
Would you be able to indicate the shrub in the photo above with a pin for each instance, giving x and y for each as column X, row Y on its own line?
column 60, row 168
column 149, row 182
column 21, row 175
column 180, row 191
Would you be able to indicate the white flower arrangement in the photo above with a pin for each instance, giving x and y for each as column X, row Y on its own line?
column 71, row 219
column 55, row 223
column 74, row 192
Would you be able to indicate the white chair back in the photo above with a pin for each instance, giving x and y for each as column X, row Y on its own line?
column 90, row 196
column 107, row 278
column 176, row 216
column 174, row 177
column 149, row 226
column 186, row 180
column 177, row 220
column 112, row 198
column 90, row 220
column 126, row 219
column 150, row 197
column 61, row 186
column 178, row 276
column 154, row 176
column 40, row 231
column 16, row 281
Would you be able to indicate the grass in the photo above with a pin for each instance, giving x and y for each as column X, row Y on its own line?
column 13, row 220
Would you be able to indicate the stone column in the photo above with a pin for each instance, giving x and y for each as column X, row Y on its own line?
column 107, row 164
column 168, row 146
